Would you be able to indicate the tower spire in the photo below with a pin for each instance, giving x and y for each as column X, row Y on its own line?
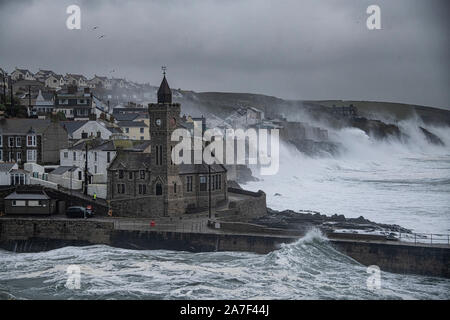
column 164, row 92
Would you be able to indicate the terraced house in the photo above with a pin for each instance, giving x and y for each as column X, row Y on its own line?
column 31, row 140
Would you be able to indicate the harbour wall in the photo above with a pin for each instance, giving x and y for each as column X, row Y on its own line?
column 33, row 235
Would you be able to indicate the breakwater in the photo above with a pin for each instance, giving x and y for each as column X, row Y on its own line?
column 33, row 235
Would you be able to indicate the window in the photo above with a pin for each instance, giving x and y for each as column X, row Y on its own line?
column 159, row 156
column 141, row 130
column 19, row 203
column 18, row 141
column 31, row 141
column 127, row 130
column 95, row 169
column 142, row 174
column 11, row 142
column 66, row 155
column 34, row 203
column 130, row 175
column 11, row 157
column 121, row 188
column 142, row 189
column 19, row 157
column 213, row 181
column 189, row 183
column 84, row 135
column 158, row 189
column 74, row 156
column 202, row 183
column 220, row 181
column 95, row 156
column 142, row 137
column 108, row 157
column 120, row 174
column 31, row 155
column 80, row 175
column 99, row 134
column 175, row 187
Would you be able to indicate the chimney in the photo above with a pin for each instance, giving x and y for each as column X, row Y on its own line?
column 72, row 89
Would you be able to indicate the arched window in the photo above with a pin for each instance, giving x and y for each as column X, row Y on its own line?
column 158, row 189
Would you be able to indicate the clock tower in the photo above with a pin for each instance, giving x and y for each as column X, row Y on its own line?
column 166, row 183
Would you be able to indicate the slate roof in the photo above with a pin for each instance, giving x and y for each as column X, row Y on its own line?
column 200, row 168
column 72, row 126
column 131, row 161
column 27, row 196
column 95, row 144
column 6, row 167
column 132, row 124
column 164, row 92
column 126, row 116
column 23, row 126
column 63, row 169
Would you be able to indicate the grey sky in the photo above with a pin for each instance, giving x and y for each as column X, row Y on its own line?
column 293, row 49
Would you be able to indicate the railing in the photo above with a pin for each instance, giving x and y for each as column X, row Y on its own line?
column 421, row 238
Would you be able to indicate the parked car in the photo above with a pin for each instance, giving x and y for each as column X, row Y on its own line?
column 79, row 212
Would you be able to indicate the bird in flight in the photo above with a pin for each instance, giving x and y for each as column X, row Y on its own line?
column 94, row 28
column 102, row 36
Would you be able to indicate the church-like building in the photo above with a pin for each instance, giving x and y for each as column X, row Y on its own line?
column 149, row 185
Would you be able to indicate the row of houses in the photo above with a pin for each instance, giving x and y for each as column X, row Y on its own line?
column 53, row 80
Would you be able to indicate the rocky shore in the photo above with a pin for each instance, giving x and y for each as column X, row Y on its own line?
column 304, row 220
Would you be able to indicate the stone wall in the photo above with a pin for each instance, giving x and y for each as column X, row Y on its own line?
column 20, row 234
column 399, row 258
column 250, row 207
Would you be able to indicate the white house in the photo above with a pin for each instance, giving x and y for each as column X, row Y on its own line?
column 54, row 81
column 42, row 75
column 10, row 174
column 69, row 177
column 90, row 129
column 22, row 74
column 76, row 79
column 100, row 155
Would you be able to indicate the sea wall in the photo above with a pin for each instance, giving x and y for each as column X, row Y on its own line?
column 399, row 257
column 32, row 235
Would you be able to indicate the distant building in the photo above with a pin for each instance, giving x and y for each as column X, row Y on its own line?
column 135, row 130
column 344, row 111
column 44, row 104
column 55, row 81
column 22, row 74
column 100, row 82
column 74, row 104
column 31, row 140
column 91, row 129
column 42, row 75
column 76, row 80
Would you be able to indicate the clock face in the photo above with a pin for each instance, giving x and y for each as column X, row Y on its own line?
column 158, row 122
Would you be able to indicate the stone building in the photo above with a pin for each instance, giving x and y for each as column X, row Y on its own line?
column 150, row 184
column 31, row 140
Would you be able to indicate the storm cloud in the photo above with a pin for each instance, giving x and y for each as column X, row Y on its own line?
column 293, row 49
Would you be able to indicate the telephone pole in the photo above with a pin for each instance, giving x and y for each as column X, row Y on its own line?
column 86, row 171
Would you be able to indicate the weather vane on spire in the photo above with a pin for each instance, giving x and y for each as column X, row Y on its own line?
column 164, row 68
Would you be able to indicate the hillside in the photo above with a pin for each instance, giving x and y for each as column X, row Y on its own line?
column 221, row 104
